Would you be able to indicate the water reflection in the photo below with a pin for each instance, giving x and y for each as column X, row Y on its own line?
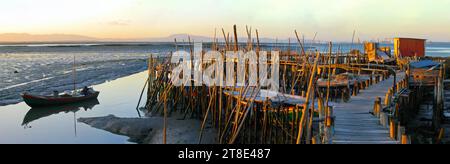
column 38, row 113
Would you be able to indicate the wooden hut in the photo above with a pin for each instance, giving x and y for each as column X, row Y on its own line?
column 409, row 47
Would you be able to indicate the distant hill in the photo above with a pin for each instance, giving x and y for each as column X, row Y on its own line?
column 24, row 37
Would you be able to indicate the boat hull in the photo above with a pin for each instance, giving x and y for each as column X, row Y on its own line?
column 43, row 101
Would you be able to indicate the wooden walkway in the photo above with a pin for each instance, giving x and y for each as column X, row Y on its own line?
column 355, row 125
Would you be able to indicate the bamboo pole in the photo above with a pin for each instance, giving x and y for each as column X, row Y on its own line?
column 176, row 44
column 310, row 122
column 441, row 135
column 236, row 43
column 249, row 38
column 226, row 40
column 257, row 39
column 305, row 62
column 74, row 76
column 301, row 46
column 165, row 95
column 329, row 73
column 308, row 96
column 242, row 120
column 205, row 117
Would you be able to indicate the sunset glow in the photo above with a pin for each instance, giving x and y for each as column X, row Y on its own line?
column 332, row 19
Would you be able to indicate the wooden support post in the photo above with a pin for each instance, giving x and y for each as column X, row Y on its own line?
column 399, row 132
column 322, row 115
column 150, row 78
column 371, row 79
column 440, row 136
column 343, row 93
column 377, row 107
column 392, row 127
column 387, row 99
column 355, row 88
column 329, row 118
column 439, row 100
column 384, row 119
column 404, row 137
column 165, row 120
column 314, row 140
column 327, row 139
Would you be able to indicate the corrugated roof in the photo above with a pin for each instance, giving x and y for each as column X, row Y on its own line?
column 424, row 64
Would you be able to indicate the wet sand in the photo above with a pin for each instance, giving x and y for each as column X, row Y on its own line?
column 150, row 130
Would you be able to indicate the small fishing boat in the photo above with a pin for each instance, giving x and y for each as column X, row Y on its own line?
column 61, row 99
column 43, row 101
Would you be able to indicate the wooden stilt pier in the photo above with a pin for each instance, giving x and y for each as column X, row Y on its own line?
column 323, row 97
column 355, row 125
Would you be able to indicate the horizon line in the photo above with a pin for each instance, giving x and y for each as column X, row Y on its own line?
column 86, row 38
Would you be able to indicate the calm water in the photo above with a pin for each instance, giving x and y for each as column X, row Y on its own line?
column 21, row 124
column 42, row 68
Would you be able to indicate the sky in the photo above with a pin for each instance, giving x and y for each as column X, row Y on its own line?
column 331, row 19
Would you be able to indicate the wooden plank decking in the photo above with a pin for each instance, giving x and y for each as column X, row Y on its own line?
column 355, row 125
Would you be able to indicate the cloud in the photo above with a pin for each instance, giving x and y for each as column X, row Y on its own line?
column 119, row 23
